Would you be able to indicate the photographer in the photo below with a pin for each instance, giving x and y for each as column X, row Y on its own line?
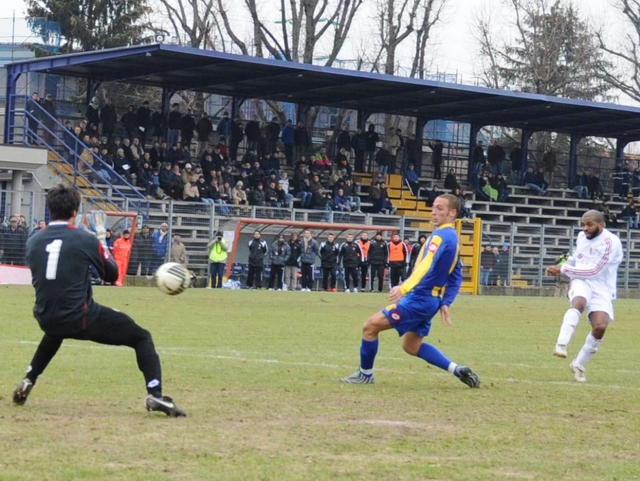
column 218, row 253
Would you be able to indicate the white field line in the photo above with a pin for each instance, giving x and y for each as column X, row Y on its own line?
column 186, row 352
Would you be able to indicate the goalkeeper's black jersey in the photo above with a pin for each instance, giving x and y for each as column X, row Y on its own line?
column 60, row 257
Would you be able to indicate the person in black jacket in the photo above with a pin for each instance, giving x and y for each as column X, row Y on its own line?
column 109, row 119
column 371, row 139
column 350, row 258
column 378, row 258
column 143, row 114
column 415, row 252
column 257, row 251
column 436, row 157
column 60, row 258
column 204, row 129
column 273, row 134
column 252, row 131
column 293, row 262
column 174, row 125
column 188, row 127
column 130, row 122
column 329, row 250
column 158, row 124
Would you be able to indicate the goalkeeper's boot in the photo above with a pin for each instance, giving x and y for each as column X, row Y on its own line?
column 164, row 404
column 560, row 350
column 22, row 391
column 578, row 371
column 468, row 377
column 358, row 378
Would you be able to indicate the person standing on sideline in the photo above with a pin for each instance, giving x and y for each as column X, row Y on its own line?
column 593, row 271
column 350, row 256
column 364, row 244
column 279, row 254
column 293, row 263
column 310, row 250
column 432, row 287
column 60, row 258
column 328, row 262
column 398, row 259
column 415, row 251
column 257, row 252
column 121, row 253
column 378, row 258
column 218, row 253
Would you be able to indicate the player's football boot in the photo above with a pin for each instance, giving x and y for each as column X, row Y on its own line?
column 468, row 377
column 358, row 378
column 164, row 404
column 22, row 391
column 560, row 350
column 578, row 371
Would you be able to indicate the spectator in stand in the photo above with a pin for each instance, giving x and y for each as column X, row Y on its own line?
column 48, row 119
column 577, row 184
column 109, row 119
column 170, row 183
column 340, row 202
column 413, row 148
column 223, row 129
column 13, row 240
column 239, row 196
column 398, row 260
column 497, row 268
column 350, row 256
column 301, row 187
column 372, row 138
column 310, row 250
column 293, row 262
column 487, row 263
column 174, row 155
column 401, row 155
column 353, row 200
column 383, row 159
column 143, row 114
column 92, row 114
column 343, row 142
column 549, row 162
column 479, row 160
column 237, row 136
column 204, row 129
column 142, row 253
column 130, row 122
column 329, row 250
column 595, row 187
column 174, row 125
column 288, row 140
column 273, row 134
column 496, row 156
column 252, row 131
column 218, row 254
column 186, row 174
column 516, row 156
column 359, row 146
column 122, row 166
column 630, row 215
column 378, row 260
column 375, row 196
column 451, row 181
column 188, row 126
column 284, row 197
column 278, row 254
column 387, row 207
column 635, row 182
column 42, row 225
column 394, row 143
column 178, row 251
column 225, row 192
column 301, row 141
column 203, row 189
column 610, row 219
column 431, row 195
column 271, row 196
column 257, row 251
column 411, row 178
column 499, row 183
column 257, row 196
column 535, row 182
column 415, row 252
column 158, row 124
column 160, row 243
column 436, row 158
column 321, row 162
column 465, row 210
column 320, row 201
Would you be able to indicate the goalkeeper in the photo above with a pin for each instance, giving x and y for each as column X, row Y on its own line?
column 60, row 258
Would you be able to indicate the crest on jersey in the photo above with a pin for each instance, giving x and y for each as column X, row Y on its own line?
column 580, row 256
column 395, row 316
column 433, row 247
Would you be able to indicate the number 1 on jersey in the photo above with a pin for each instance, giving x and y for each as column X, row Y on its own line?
column 52, row 259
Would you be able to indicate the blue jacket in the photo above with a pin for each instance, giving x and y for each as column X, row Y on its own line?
column 287, row 134
column 160, row 246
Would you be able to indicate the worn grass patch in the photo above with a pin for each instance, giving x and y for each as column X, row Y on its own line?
column 257, row 373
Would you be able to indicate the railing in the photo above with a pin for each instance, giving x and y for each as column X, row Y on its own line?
column 57, row 139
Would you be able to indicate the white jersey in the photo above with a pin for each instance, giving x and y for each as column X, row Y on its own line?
column 596, row 261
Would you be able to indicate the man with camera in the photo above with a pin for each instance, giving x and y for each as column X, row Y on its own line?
column 218, row 253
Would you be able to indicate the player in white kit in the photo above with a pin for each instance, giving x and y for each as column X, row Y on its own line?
column 593, row 269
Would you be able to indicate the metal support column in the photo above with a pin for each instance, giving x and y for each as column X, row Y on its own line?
column 363, row 116
column 473, row 136
column 16, row 194
column 302, row 111
column 524, row 146
column 236, row 104
column 167, row 93
column 92, row 86
column 620, row 146
column 421, row 123
column 573, row 155
column 10, row 106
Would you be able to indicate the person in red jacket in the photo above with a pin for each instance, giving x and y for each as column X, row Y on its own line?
column 121, row 253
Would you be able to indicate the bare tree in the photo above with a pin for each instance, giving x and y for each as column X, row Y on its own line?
column 193, row 18
column 627, row 53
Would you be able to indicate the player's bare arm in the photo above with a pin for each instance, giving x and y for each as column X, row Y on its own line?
column 445, row 316
column 395, row 294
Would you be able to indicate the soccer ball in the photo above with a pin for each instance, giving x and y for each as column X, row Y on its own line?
column 172, row 278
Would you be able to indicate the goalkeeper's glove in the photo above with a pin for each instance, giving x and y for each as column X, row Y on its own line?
column 97, row 221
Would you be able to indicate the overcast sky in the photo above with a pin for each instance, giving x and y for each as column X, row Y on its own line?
column 454, row 49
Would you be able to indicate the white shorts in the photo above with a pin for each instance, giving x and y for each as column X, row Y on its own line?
column 596, row 300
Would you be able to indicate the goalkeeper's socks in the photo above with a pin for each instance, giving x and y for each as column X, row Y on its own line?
column 368, row 351
column 432, row 355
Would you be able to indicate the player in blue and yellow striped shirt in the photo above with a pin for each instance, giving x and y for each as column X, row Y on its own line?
column 432, row 287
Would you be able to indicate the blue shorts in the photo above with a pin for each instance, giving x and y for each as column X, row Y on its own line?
column 412, row 315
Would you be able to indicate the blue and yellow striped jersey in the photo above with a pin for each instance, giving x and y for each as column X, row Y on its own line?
column 438, row 270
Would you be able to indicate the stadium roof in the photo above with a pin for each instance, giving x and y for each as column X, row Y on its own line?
column 184, row 68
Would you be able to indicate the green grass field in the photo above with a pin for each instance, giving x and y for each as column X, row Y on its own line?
column 258, row 374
